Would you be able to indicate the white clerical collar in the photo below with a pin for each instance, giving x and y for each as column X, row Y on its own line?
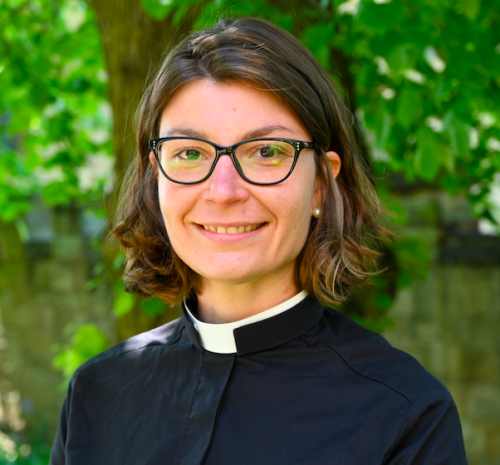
column 219, row 338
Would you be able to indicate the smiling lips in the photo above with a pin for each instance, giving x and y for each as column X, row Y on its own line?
column 232, row 229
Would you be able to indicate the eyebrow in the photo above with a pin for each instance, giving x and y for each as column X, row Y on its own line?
column 253, row 134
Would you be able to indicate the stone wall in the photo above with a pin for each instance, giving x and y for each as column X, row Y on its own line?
column 43, row 294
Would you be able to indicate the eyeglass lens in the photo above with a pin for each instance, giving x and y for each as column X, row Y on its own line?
column 261, row 161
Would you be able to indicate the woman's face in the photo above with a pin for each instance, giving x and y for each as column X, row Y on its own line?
column 278, row 216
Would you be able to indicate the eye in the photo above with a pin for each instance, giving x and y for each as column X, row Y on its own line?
column 191, row 154
column 269, row 151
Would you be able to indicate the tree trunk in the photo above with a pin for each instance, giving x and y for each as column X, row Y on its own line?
column 134, row 45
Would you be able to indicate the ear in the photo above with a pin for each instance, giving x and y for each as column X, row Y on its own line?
column 152, row 160
column 335, row 165
column 334, row 162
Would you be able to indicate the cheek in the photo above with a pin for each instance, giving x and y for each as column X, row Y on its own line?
column 297, row 206
column 169, row 208
column 162, row 197
column 305, row 192
column 302, row 219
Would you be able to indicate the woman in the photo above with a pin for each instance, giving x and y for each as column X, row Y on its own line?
column 249, row 203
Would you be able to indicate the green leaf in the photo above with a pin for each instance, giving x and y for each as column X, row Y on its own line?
column 153, row 307
column 409, row 106
column 180, row 12
column 402, row 56
column 286, row 21
column 381, row 16
column 413, row 258
column 383, row 301
column 427, row 157
column 58, row 193
column 459, row 134
column 317, row 39
column 87, row 342
column 124, row 303
column 383, row 127
column 470, row 8
column 13, row 208
column 157, row 9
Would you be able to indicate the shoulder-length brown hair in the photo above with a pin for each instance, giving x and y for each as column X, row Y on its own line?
column 340, row 249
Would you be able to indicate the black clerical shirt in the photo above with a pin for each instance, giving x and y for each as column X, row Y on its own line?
column 307, row 387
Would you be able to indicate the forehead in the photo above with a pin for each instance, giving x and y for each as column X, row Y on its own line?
column 226, row 112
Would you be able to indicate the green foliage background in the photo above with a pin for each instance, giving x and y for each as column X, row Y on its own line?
column 423, row 77
column 425, row 81
column 53, row 103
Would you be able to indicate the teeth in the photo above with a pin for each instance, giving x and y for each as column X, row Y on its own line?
column 231, row 229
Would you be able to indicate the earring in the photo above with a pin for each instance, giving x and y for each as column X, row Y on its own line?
column 316, row 212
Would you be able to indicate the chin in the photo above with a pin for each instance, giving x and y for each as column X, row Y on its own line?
column 230, row 276
column 230, row 273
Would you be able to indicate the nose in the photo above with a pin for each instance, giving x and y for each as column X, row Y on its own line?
column 225, row 185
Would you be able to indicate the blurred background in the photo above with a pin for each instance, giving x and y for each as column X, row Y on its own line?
column 422, row 78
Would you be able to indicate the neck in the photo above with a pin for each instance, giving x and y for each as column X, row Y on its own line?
column 225, row 303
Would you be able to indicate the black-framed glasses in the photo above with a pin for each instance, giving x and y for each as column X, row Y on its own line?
column 264, row 161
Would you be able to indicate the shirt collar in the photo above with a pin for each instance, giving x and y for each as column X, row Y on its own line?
column 258, row 332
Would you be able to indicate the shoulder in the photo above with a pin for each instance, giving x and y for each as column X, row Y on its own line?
column 162, row 336
column 372, row 357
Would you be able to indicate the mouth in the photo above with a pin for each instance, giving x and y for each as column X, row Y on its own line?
column 232, row 229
